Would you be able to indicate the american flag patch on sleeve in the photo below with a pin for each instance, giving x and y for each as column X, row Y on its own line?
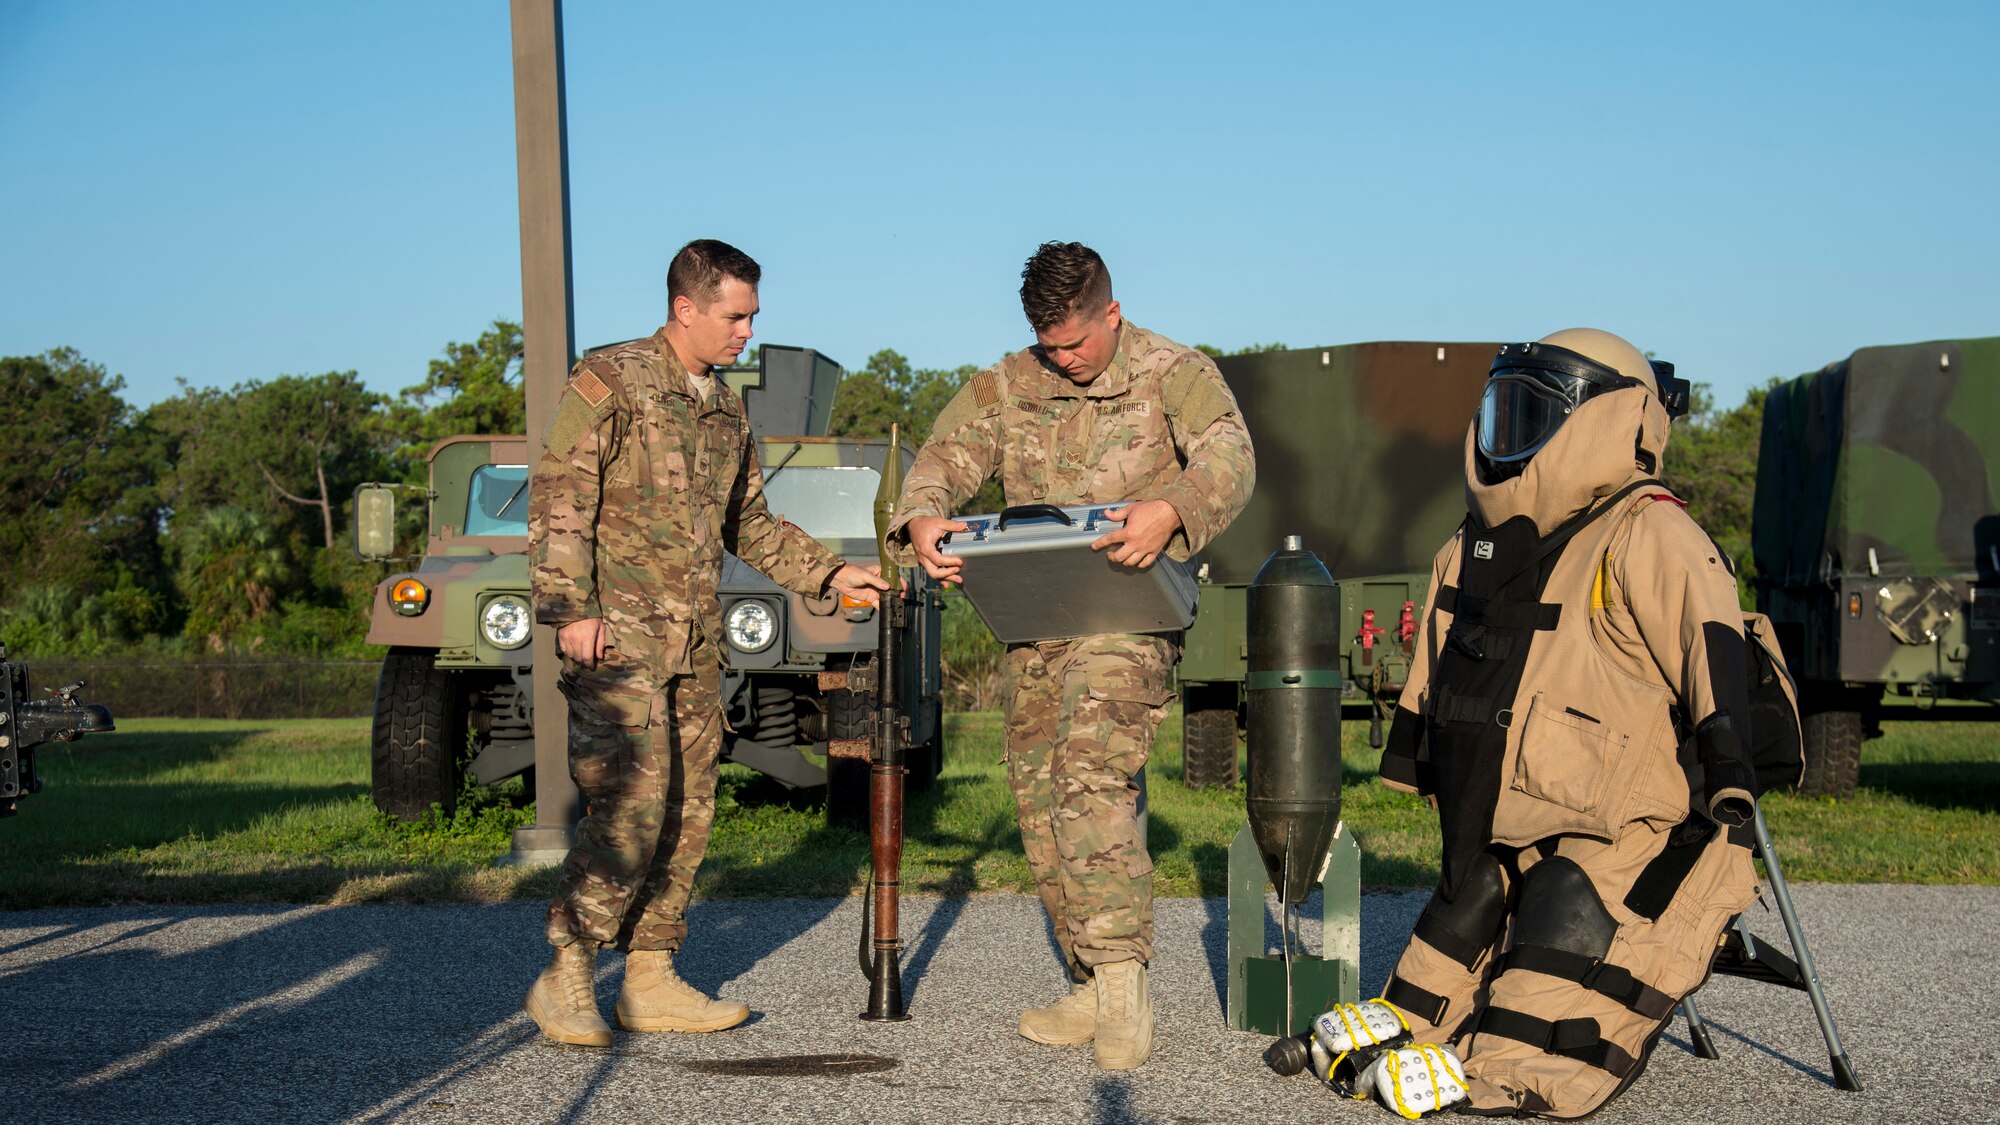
column 590, row 387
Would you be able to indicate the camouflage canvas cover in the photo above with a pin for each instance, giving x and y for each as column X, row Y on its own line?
column 1895, row 451
column 1360, row 449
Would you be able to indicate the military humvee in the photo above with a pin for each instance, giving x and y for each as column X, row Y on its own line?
column 455, row 695
column 1876, row 536
column 1392, row 415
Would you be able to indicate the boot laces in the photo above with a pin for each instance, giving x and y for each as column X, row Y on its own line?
column 1119, row 994
column 671, row 979
column 576, row 983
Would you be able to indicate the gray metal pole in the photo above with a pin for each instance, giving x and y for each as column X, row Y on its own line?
column 549, row 334
column 1843, row 1070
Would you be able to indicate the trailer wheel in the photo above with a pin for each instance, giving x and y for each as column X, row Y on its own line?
column 847, row 778
column 1208, row 735
column 1833, row 754
column 420, row 729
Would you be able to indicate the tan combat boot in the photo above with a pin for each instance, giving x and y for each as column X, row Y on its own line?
column 1067, row 1022
column 563, row 1002
column 1124, row 1016
column 655, row 998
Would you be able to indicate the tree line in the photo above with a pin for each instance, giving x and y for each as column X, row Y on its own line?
column 216, row 521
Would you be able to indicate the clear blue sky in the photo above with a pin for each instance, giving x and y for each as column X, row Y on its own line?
column 233, row 191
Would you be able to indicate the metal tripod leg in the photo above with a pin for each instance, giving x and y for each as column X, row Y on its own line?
column 1843, row 1071
column 1704, row 1047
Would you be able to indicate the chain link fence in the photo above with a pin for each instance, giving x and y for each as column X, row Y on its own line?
column 153, row 687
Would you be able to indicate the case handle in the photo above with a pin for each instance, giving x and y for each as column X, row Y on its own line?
column 1024, row 511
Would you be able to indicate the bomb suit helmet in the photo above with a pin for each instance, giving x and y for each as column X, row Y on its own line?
column 1532, row 389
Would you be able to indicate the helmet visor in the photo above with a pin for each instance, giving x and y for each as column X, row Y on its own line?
column 1518, row 413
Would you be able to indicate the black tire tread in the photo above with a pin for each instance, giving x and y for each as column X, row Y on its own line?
column 1833, row 754
column 1208, row 747
column 847, row 778
column 418, row 732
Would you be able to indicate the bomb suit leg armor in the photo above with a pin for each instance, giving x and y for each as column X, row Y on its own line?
column 1574, row 712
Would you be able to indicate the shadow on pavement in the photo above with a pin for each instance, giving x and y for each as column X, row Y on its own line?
column 317, row 1014
column 1111, row 1104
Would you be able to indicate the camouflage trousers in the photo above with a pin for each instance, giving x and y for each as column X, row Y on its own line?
column 649, row 795
column 1080, row 719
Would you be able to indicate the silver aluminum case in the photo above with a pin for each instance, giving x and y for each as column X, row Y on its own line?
column 1038, row 579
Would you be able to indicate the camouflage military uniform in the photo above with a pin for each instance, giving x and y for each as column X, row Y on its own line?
column 1157, row 423
column 640, row 491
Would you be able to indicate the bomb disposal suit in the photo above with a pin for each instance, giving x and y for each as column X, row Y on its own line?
column 1578, row 713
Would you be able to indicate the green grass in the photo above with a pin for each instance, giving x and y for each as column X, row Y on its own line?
column 277, row 811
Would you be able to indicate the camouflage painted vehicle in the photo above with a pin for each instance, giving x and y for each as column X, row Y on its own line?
column 1392, row 415
column 1876, row 536
column 456, row 691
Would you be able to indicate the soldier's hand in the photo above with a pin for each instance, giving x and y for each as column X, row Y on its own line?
column 925, row 531
column 862, row 584
column 582, row 641
column 1143, row 534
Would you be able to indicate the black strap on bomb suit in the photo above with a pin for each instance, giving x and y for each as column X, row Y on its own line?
column 1612, row 981
column 1420, row 1002
column 1577, row 1038
column 1497, row 611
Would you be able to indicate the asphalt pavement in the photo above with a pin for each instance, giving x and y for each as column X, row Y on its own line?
column 367, row 1013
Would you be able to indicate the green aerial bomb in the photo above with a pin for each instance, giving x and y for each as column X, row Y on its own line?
column 1293, row 837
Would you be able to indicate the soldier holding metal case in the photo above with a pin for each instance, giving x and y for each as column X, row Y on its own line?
column 1099, row 412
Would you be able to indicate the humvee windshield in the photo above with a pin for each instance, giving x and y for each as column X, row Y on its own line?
column 834, row 502
column 499, row 504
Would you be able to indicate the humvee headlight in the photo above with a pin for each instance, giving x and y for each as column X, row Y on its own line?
column 506, row 621
column 751, row 626
column 409, row 597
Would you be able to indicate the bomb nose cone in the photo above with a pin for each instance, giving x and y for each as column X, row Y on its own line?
column 1292, row 716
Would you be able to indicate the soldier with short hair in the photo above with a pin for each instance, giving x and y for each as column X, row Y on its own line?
column 648, row 475
column 1099, row 411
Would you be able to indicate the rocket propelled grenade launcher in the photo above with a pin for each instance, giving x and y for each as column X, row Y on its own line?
column 882, row 942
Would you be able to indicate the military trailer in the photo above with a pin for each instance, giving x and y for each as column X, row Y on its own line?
column 456, row 691
column 1876, row 537
column 1392, row 415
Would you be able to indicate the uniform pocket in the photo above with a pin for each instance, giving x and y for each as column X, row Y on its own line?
column 618, row 691
column 1123, row 718
column 1567, row 756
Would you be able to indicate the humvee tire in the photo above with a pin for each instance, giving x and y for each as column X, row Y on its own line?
column 1833, row 753
column 1208, row 735
column 847, row 715
column 847, row 778
column 419, row 731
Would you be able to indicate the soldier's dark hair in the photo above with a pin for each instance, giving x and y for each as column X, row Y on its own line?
column 1061, row 280
column 697, row 272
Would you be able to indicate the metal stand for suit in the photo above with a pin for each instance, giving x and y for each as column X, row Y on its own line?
column 1742, row 955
